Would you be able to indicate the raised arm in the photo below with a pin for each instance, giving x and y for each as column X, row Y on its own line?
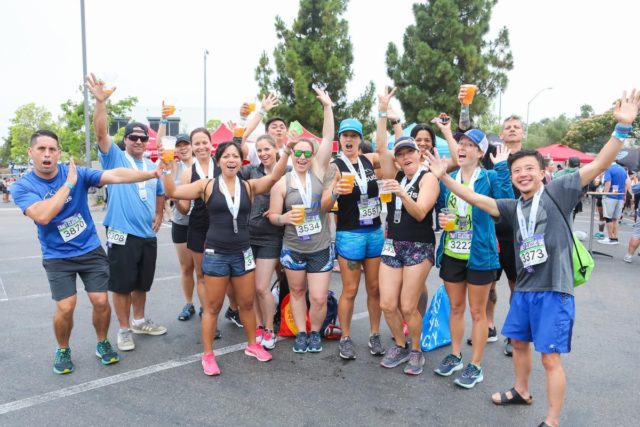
column 44, row 211
column 100, row 121
column 190, row 191
column 444, row 124
column 387, row 162
column 183, row 206
column 127, row 175
column 438, row 167
column 464, row 124
column 625, row 112
column 328, row 132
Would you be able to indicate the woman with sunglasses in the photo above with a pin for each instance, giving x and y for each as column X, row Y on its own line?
column 300, row 203
column 266, row 241
column 228, row 255
column 359, row 234
column 408, row 252
column 468, row 250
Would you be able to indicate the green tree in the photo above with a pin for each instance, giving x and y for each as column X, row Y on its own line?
column 445, row 48
column 586, row 111
column 590, row 134
column 27, row 119
column 212, row 124
column 317, row 48
column 548, row 131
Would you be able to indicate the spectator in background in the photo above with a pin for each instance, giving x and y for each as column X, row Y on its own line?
column 615, row 181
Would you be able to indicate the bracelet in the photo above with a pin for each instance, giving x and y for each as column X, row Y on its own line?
column 621, row 131
column 382, row 114
column 164, row 121
column 262, row 112
column 395, row 122
column 464, row 109
column 287, row 152
column 69, row 185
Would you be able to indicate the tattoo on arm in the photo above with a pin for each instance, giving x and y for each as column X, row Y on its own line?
column 330, row 175
column 465, row 121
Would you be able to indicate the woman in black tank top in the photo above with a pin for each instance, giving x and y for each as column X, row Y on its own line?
column 407, row 256
column 228, row 255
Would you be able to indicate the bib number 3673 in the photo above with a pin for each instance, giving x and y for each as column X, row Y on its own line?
column 72, row 227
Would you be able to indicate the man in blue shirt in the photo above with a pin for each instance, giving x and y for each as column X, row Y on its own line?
column 55, row 198
column 615, row 181
column 134, row 215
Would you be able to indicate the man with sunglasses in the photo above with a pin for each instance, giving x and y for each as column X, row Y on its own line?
column 134, row 215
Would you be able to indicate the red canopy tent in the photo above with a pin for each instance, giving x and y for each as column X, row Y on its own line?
column 560, row 153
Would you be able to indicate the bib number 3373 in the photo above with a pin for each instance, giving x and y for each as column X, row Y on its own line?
column 72, row 227
column 533, row 251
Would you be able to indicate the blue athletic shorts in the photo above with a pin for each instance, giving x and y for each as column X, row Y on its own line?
column 221, row 265
column 358, row 245
column 316, row 262
column 544, row 318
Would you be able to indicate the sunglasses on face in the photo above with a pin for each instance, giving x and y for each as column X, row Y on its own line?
column 136, row 138
column 299, row 153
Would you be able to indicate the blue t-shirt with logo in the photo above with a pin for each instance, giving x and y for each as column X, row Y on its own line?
column 72, row 232
column 126, row 209
column 618, row 177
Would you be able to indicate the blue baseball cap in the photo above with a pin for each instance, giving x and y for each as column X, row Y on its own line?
column 477, row 137
column 404, row 142
column 352, row 125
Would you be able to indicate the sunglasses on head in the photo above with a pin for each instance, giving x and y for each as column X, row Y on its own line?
column 299, row 153
column 136, row 138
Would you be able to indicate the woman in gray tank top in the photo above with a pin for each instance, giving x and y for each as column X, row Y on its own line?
column 300, row 202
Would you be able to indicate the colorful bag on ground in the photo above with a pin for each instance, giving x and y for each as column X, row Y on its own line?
column 435, row 324
column 329, row 329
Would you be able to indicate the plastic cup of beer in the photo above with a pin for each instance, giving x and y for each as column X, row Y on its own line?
column 450, row 223
column 299, row 208
column 168, row 110
column 252, row 107
column 385, row 195
column 350, row 178
column 471, row 92
column 238, row 132
column 169, row 146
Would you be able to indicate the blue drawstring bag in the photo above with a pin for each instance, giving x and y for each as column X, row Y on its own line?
column 435, row 324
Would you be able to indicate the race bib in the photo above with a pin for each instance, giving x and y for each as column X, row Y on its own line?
column 388, row 249
column 460, row 241
column 369, row 210
column 116, row 237
column 311, row 225
column 533, row 251
column 249, row 263
column 71, row 227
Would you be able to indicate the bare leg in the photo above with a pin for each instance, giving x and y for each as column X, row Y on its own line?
column 101, row 313
column 297, row 288
column 457, row 292
column 264, row 303
column 186, row 271
column 556, row 386
column 138, row 301
column 197, row 266
column 390, row 287
column 212, row 303
column 122, row 306
column 413, row 278
column 372, row 283
column 491, row 305
column 478, row 296
column 350, row 274
column 245, row 292
column 318, row 289
column 63, row 320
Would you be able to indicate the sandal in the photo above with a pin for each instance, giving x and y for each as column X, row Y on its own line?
column 515, row 399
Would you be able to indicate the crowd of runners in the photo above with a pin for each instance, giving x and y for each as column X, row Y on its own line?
column 235, row 226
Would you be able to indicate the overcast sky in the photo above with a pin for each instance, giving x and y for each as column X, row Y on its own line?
column 153, row 49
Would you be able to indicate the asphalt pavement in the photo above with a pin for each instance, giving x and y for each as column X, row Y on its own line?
column 161, row 382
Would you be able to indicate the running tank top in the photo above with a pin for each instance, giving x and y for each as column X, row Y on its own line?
column 220, row 236
column 409, row 229
column 199, row 218
column 176, row 216
column 348, row 214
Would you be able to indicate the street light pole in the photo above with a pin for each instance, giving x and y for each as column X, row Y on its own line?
column 87, row 135
column 206, row 52
column 526, row 135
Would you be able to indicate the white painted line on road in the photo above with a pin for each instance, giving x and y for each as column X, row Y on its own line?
column 18, row 258
column 126, row 376
column 160, row 279
column 3, row 292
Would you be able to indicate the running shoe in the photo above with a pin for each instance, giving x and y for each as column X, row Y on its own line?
column 598, row 235
column 233, row 316
column 347, row 351
column 508, row 349
column 125, row 340
column 148, row 328
column 257, row 351
column 218, row 334
column 449, row 365
column 106, row 353
column 492, row 336
column 187, row 311
column 375, row 345
column 259, row 333
column 209, row 364
column 395, row 356
column 315, row 342
column 300, row 345
column 628, row 258
column 607, row 241
column 415, row 363
column 470, row 376
column 269, row 339
column 62, row 363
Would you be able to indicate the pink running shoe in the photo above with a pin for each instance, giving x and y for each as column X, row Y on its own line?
column 259, row 334
column 257, row 351
column 268, row 339
column 209, row 364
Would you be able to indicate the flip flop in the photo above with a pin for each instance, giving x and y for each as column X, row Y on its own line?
column 515, row 399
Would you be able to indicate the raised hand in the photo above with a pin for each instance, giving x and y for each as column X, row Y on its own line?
column 244, row 109
column 437, row 165
column 98, row 89
column 443, row 121
column 626, row 108
column 72, row 174
column 343, row 186
column 166, row 111
column 323, row 96
column 384, row 98
column 294, row 138
column 462, row 94
column 502, row 154
column 269, row 102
